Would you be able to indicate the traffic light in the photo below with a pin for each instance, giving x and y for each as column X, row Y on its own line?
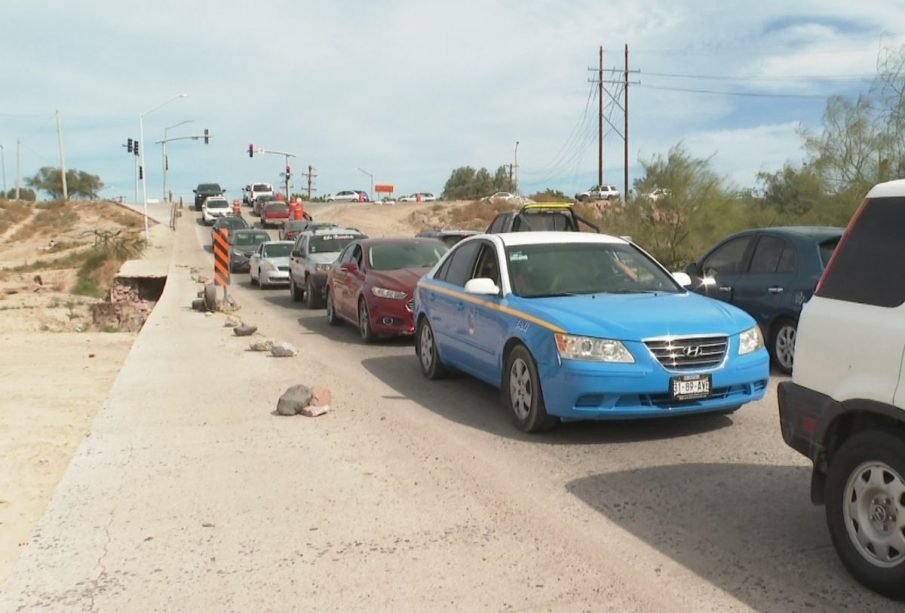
column 288, row 170
column 135, row 148
column 207, row 138
column 141, row 172
column 251, row 151
column 129, row 145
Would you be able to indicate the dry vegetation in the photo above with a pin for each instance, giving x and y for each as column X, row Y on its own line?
column 57, row 258
column 475, row 215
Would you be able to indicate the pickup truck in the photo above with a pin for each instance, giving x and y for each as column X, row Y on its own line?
column 254, row 190
column 312, row 256
column 540, row 216
column 205, row 191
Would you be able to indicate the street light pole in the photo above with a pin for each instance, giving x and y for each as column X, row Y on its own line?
column 165, row 164
column 141, row 158
column 515, row 165
column 370, row 194
column 3, row 161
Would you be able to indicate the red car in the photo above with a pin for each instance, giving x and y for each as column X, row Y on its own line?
column 372, row 284
column 274, row 213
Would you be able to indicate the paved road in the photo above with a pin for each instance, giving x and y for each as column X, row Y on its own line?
column 412, row 495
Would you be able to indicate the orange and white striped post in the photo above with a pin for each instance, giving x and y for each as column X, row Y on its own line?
column 221, row 260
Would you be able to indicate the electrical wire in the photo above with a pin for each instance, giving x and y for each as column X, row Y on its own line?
column 808, row 78
column 733, row 93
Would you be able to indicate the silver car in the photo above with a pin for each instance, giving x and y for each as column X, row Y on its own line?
column 269, row 264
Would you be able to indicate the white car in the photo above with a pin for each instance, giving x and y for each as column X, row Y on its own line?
column 425, row 197
column 600, row 192
column 269, row 264
column 344, row 196
column 500, row 196
column 659, row 194
column 214, row 207
column 844, row 408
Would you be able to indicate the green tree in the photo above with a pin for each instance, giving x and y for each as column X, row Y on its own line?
column 80, row 184
column 791, row 191
column 466, row 183
column 24, row 194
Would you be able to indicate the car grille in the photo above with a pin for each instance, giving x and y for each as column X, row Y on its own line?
column 679, row 353
column 283, row 268
column 410, row 305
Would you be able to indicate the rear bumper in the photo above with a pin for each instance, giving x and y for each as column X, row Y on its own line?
column 804, row 416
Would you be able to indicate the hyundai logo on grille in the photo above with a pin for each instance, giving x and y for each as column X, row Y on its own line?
column 692, row 351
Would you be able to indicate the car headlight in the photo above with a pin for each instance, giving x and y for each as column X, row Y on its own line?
column 590, row 348
column 382, row 292
column 750, row 340
column 323, row 267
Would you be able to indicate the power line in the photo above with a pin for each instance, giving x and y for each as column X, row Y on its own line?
column 863, row 77
column 734, row 93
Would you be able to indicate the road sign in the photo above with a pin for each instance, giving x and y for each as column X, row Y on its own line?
column 221, row 257
column 384, row 188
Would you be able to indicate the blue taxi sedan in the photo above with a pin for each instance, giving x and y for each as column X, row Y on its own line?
column 576, row 326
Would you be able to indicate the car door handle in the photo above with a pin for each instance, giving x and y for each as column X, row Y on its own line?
column 726, row 288
column 460, row 306
column 775, row 290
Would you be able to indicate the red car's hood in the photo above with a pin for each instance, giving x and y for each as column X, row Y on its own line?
column 403, row 279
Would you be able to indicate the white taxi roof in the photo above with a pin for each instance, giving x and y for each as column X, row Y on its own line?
column 890, row 189
column 511, row 239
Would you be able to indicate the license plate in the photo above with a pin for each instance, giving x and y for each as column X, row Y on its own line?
column 690, row 387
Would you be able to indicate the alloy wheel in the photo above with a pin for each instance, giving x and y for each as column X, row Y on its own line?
column 874, row 513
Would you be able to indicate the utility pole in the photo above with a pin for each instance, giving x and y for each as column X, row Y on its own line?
column 515, row 169
column 511, row 184
column 600, row 118
column 625, row 131
column 3, row 162
column 62, row 158
column 310, row 175
column 18, row 148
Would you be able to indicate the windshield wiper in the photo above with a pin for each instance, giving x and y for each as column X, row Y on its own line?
column 554, row 295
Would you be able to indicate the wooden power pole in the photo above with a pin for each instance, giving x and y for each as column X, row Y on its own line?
column 625, row 131
column 600, row 119
column 62, row 158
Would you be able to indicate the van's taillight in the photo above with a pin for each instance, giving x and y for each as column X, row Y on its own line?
column 838, row 250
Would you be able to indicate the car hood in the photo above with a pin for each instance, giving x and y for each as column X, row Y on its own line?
column 634, row 317
column 245, row 249
column 284, row 261
column 403, row 279
column 323, row 258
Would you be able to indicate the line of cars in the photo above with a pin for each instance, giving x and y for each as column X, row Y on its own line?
column 580, row 326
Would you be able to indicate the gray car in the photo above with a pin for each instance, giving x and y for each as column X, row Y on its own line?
column 243, row 243
column 269, row 264
column 312, row 255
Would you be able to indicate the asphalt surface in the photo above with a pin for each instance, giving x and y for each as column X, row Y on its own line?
column 411, row 495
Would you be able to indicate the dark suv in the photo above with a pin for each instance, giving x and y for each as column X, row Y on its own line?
column 540, row 216
column 769, row 273
column 206, row 190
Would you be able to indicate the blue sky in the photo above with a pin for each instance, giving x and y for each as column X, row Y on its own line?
column 409, row 90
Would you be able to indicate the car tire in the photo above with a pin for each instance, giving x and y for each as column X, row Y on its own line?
column 522, row 392
column 864, row 498
column 426, row 350
column 312, row 300
column 294, row 290
column 364, row 322
column 782, row 344
column 261, row 284
column 332, row 318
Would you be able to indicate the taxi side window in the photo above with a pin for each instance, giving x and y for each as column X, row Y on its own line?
column 487, row 265
column 460, row 264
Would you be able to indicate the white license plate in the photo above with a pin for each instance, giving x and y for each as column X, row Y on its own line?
column 691, row 387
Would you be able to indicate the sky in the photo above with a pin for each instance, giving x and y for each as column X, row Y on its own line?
column 408, row 90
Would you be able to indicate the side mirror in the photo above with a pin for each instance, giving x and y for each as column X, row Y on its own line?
column 682, row 278
column 350, row 267
column 693, row 270
column 482, row 287
column 296, row 253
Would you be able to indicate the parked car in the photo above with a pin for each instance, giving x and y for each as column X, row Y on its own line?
column 769, row 273
column 291, row 228
column 502, row 196
column 362, row 195
column 372, row 284
column 243, row 243
column 600, row 192
column 344, row 196
column 214, row 207
column 425, row 197
column 844, row 408
column 206, row 190
column 232, row 222
column 313, row 254
column 261, row 201
column 575, row 325
column 269, row 264
column 254, row 190
column 658, row 194
column 449, row 237
column 274, row 213
column 540, row 216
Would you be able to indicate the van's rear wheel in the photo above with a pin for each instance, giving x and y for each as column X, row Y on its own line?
column 865, row 509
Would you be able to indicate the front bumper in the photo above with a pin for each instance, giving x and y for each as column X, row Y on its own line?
column 392, row 316
column 239, row 262
column 274, row 277
column 577, row 389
